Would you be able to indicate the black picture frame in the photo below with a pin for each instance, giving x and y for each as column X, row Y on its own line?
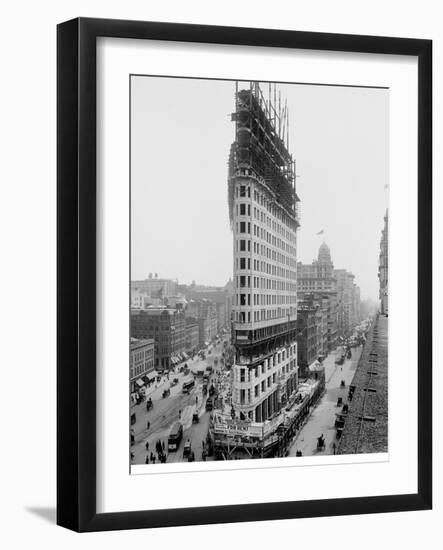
column 76, row 279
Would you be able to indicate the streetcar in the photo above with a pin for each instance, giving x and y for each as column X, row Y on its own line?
column 175, row 436
column 187, row 386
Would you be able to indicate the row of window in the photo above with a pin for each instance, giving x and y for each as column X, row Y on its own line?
column 244, row 209
column 245, row 227
column 244, row 374
column 264, row 299
column 244, row 281
column 261, row 216
column 263, row 314
column 244, row 245
column 137, row 356
column 142, row 368
column 264, row 267
column 306, row 285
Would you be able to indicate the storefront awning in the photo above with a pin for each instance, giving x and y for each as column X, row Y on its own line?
column 139, row 382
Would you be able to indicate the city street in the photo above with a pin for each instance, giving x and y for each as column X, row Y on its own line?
column 322, row 418
column 177, row 406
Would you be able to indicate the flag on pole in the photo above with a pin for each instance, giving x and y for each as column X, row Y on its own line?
column 321, row 232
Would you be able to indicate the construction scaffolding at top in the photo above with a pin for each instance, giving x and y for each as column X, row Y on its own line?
column 261, row 146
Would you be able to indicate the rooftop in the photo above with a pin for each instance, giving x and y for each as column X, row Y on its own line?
column 136, row 343
column 366, row 425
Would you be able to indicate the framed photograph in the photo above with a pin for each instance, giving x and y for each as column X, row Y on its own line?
column 244, row 274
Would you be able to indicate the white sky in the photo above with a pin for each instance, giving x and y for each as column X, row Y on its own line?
column 181, row 135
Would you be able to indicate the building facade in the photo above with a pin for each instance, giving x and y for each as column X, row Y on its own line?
column 142, row 362
column 262, row 208
column 317, row 279
column 348, row 298
column 383, row 268
column 192, row 336
column 219, row 296
column 307, row 335
column 204, row 313
column 166, row 326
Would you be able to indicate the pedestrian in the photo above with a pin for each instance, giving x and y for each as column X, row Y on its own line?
column 196, row 399
column 147, row 445
column 153, row 459
column 152, row 456
column 148, row 425
column 163, row 446
column 179, row 413
column 147, row 459
column 334, row 447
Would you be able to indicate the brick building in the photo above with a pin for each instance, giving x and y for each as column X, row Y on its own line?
column 166, row 326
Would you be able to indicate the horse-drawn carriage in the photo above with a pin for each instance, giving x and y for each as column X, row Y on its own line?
column 187, row 449
column 166, row 392
column 321, row 443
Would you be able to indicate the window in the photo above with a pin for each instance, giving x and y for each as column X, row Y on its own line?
column 242, row 245
column 242, row 209
column 242, row 263
column 242, row 227
column 242, row 397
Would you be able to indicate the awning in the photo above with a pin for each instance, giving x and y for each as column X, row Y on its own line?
column 173, row 360
column 139, row 382
column 316, row 367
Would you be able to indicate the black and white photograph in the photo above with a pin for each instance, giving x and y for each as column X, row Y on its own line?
column 259, row 301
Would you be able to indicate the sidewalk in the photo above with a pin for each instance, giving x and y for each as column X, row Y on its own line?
column 323, row 417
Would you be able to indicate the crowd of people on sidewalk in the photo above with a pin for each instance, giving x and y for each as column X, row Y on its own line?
column 160, row 449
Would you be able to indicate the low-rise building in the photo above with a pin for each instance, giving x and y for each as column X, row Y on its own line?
column 142, row 362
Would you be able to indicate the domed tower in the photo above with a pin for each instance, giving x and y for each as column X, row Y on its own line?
column 324, row 262
column 324, row 254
